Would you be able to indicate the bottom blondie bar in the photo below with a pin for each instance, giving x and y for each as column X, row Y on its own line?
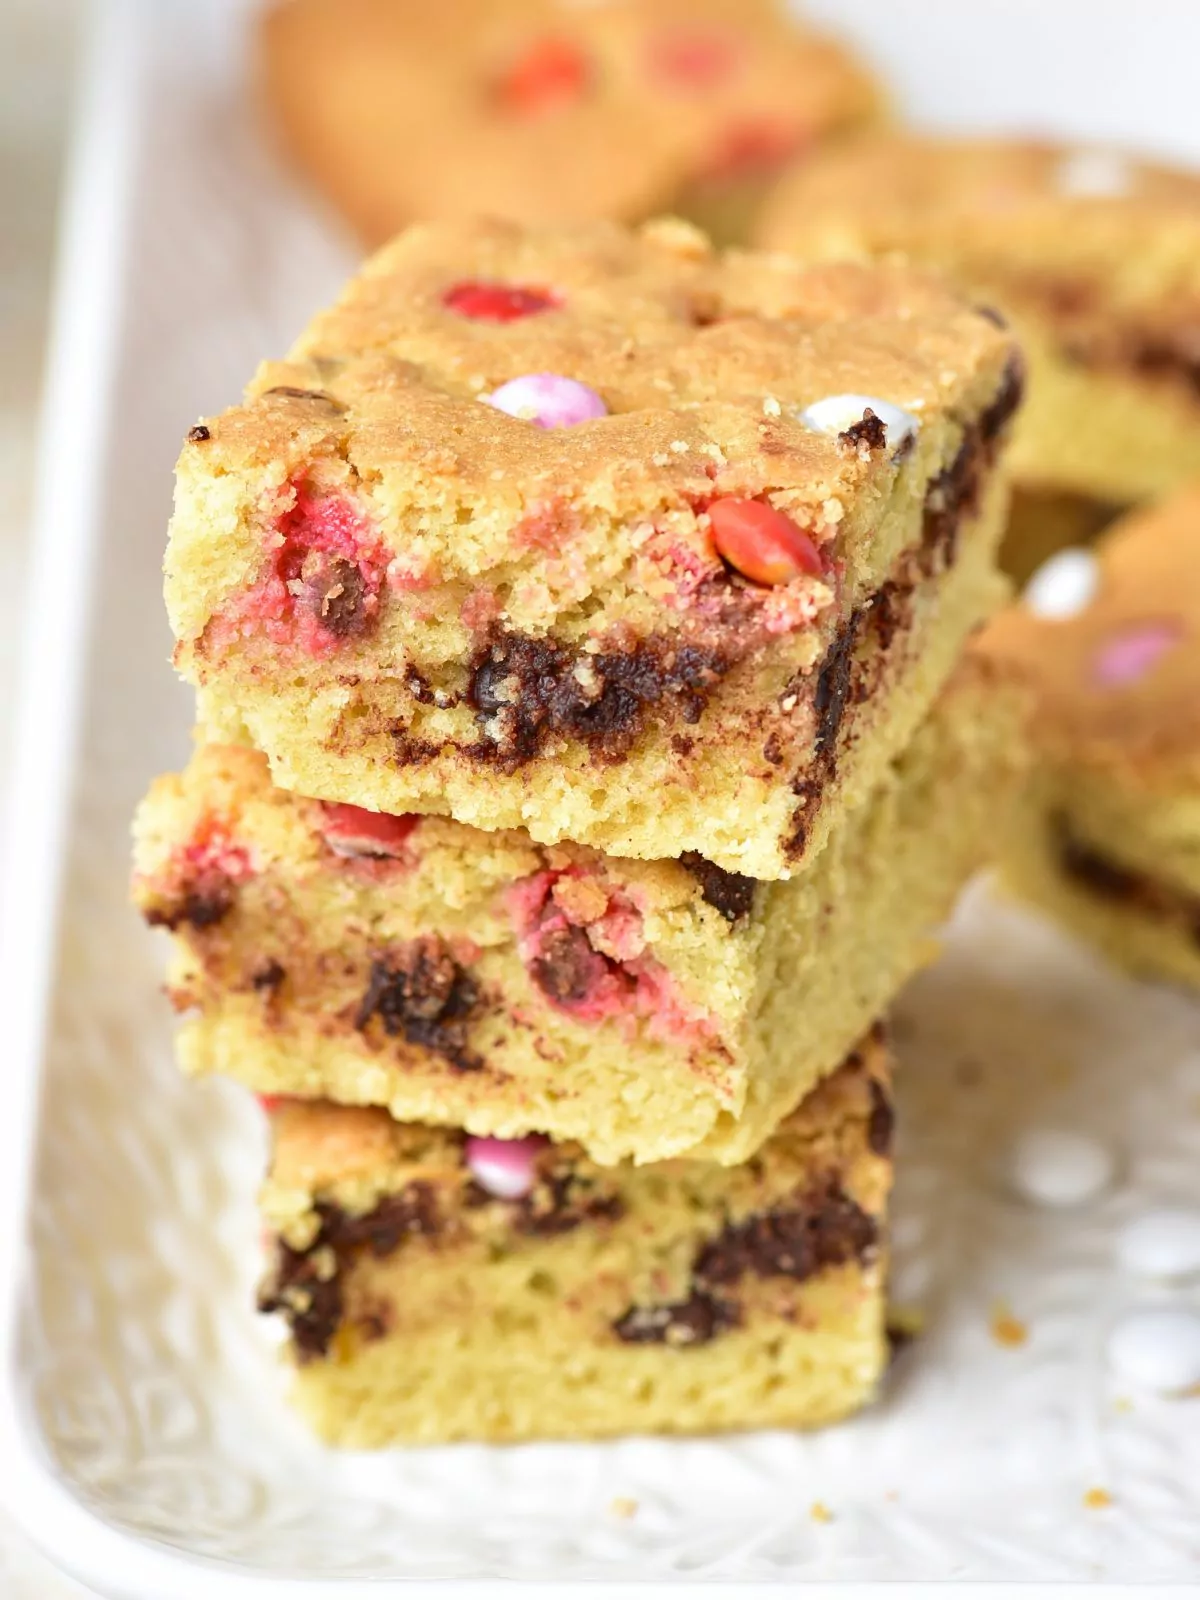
column 439, row 1287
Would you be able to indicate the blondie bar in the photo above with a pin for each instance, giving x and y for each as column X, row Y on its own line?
column 1111, row 841
column 439, row 1287
column 645, row 1009
column 401, row 110
column 598, row 534
column 1095, row 258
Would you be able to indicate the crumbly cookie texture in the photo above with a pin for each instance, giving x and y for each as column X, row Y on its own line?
column 1093, row 255
column 645, row 1009
column 439, row 1287
column 401, row 110
column 1110, row 841
column 599, row 534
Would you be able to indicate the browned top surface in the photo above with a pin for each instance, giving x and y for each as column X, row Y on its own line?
column 704, row 363
column 401, row 108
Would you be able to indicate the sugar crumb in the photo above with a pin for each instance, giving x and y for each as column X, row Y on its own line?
column 1097, row 1499
column 623, row 1507
column 819, row 1512
column 771, row 407
column 1008, row 1330
column 680, row 446
column 660, row 458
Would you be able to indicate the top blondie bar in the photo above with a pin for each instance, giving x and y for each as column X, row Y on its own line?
column 598, row 533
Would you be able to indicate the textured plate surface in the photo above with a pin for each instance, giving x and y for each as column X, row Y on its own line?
column 146, row 1393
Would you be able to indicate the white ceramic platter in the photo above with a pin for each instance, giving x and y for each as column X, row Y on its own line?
column 143, row 1438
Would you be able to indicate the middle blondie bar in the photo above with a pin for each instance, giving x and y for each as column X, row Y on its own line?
column 598, row 534
column 645, row 1009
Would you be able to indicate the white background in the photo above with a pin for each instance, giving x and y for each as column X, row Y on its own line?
column 1088, row 70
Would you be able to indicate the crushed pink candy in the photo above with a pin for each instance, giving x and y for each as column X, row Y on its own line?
column 1134, row 652
column 506, row 1168
column 212, row 853
column 619, row 980
column 314, row 525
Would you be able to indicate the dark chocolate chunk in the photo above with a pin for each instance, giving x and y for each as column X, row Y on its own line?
column 694, row 1321
column 526, row 690
column 1110, row 880
column 1008, row 397
column 408, row 1212
column 834, row 683
column 425, row 997
column 566, row 967
column 419, row 686
column 870, row 431
column 338, row 591
column 268, row 976
column 311, row 1303
column 200, row 907
column 306, row 1285
column 881, row 1124
column 199, row 434
column 730, row 893
column 824, row 1228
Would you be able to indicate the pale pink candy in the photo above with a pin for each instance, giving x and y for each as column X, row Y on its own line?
column 548, row 400
column 506, row 1168
column 1133, row 653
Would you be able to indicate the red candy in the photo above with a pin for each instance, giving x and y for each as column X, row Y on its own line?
column 761, row 543
column 551, row 74
column 354, row 831
column 497, row 302
column 270, row 1102
column 693, row 58
column 755, row 145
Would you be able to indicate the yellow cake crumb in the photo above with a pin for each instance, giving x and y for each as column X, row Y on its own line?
column 1008, row 1330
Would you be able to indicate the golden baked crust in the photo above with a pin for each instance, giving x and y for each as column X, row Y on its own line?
column 426, row 1302
column 406, row 109
column 1094, row 255
column 413, row 601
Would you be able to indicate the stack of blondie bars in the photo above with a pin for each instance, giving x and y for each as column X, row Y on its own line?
column 589, row 746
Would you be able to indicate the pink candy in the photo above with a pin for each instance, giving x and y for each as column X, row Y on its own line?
column 506, row 1168
column 1130, row 655
column 548, row 400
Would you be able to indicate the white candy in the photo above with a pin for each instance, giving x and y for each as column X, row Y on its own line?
column 1094, row 173
column 1055, row 1167
column 1063, row 586
column 1157, row 1348
column 1161, row 1244
column 841, row 411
